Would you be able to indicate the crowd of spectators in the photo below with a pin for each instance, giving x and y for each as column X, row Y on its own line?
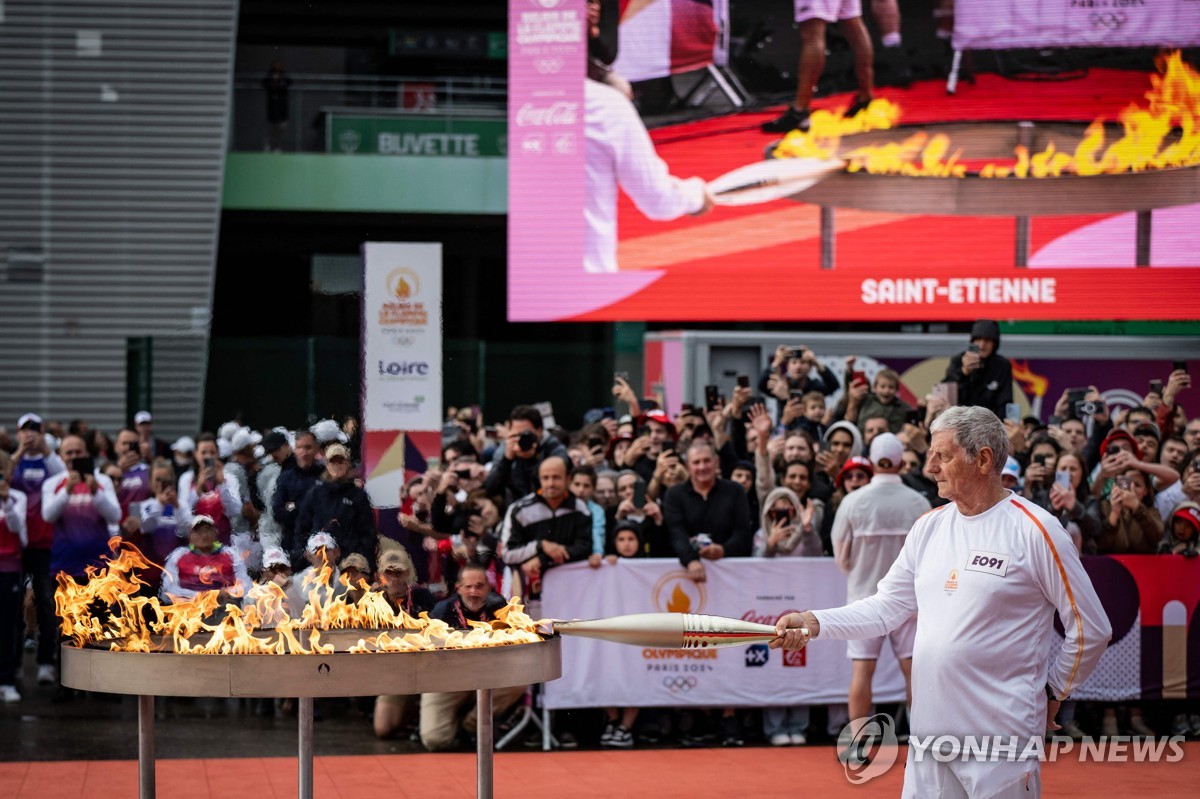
column 723, row 478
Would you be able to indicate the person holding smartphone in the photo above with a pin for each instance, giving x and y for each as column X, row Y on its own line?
column 983, row 375
column 1129, row 522
column 81, row 504
column 792, row 369
column 134, row 487
column 207, row 492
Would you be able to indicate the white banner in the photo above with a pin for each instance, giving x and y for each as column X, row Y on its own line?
column 402, row 336
column 985, row 25
column 604, row 674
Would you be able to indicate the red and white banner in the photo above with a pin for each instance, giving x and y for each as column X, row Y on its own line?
column 666, row 37
column 604, row 674
column 982, row 25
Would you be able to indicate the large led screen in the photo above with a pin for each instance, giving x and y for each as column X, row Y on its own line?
column 1073, row 199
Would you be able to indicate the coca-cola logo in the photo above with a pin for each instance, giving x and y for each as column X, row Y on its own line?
column 558, row 113
column 771, row 619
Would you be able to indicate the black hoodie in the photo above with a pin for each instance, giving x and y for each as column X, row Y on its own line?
column 990, row 385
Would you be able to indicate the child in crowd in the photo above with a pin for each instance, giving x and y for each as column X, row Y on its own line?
column 618, row 726
column 583, row 486
column 813, row 419
column 883, row 400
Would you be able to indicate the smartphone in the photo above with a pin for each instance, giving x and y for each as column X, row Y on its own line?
column 1040, row 460
column 1179, row 366
column 795, row 394
column 743, row 381
column 84, row 466
column 947, row 391
column 1054, row 421
column 1123, row 482
column 1063, row 479
column 1156, row 387
column 133, row 446
column 1012, row 412
column 639, row 494
column 210, row 463
column 858, row 377
column 620, row 376
column 712, row 400
column 914, row 418
column 463, row 474
column 973, row 347
column 1075, row 395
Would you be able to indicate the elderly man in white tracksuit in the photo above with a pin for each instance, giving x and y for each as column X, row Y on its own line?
column 984, row 576
column 869, row 531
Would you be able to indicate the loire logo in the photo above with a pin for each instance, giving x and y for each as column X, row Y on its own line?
column 675, row 592
column 868, row 747
column 987, row 562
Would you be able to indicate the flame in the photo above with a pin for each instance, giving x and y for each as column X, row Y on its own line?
column 1172, row 107
column 679, row 602
column 105, row 609
column 1031, row 382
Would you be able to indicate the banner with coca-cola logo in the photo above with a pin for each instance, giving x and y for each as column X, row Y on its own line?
column 604, row 674
column 980, row 25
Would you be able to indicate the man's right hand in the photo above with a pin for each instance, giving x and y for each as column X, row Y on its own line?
column 790, row 632
column 970, row 362
column 696, row 572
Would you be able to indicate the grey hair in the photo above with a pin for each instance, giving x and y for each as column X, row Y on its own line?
column 704, row 443
column 627, row 473
column 975, row 428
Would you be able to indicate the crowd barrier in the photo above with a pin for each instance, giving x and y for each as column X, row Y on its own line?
column 1150, row 600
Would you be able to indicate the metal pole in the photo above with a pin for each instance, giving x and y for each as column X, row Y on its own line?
column 1143, row 238
column 1022, row 257
column 828, row 239
column 483, row 738
column 305, row 757
column 146, row 747
column 955, row 66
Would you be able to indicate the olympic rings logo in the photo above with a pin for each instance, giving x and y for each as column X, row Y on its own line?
column 1108, row 19
column 679, row 685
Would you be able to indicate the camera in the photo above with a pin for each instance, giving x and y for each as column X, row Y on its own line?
column 1040, row 460
column 527, row 441
column 594, row 441
column 795, row 352
column 1090, row 407
column 463, row 474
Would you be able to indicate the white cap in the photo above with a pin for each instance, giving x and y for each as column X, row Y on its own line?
column 52, row 442
column 184, row 444
column 259, row 452
column 225, row 432
column 142, row 417
column 886, row 447
column 200, row 519
column 326, row 431
column 224, row 448
column 1011, row 469
column 322, row 539
column 27, row 418
column 245, row 437
column 275, row 556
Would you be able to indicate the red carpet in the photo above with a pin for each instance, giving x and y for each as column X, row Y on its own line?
column 761, row 262
column 658, row 774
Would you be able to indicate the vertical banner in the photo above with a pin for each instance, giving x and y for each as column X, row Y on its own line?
column 402, row 364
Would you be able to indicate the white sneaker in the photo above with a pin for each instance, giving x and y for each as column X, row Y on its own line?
column 47, row 674
column 8, row 694
column 799, row 739
column 781, row 739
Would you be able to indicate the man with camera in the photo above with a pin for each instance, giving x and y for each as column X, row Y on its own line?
column 983, row 375
column 81, row 504
column 790, row 374
column 526, row 446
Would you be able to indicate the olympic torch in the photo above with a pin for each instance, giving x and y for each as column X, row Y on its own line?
column 669, row 630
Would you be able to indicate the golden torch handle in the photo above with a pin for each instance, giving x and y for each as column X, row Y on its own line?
column 669, row 630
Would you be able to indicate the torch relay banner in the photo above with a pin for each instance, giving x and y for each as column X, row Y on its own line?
column 604, row 674
column 402, row 363
column 983, row 25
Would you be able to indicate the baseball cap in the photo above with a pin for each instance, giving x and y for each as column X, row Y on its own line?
column 275, row 556
column 244, row 438
column 354, row 561
column 395, row 560
column 224, row 448
column 1120, row 435
column 29, row 418
column 659, row 416
column 226, row 431
column 200, row 519
column 852, row 463
column 184, row 444
column 327, row 430
column 273, row 440
column 142, row 417
column 1011, row 469
column 1190, row 513
column 322, row 539
column 336, row 451
column 886, row 450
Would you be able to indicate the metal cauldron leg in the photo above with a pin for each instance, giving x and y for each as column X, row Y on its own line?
column 305, row 757
column 146, row 747
column 483, row 738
